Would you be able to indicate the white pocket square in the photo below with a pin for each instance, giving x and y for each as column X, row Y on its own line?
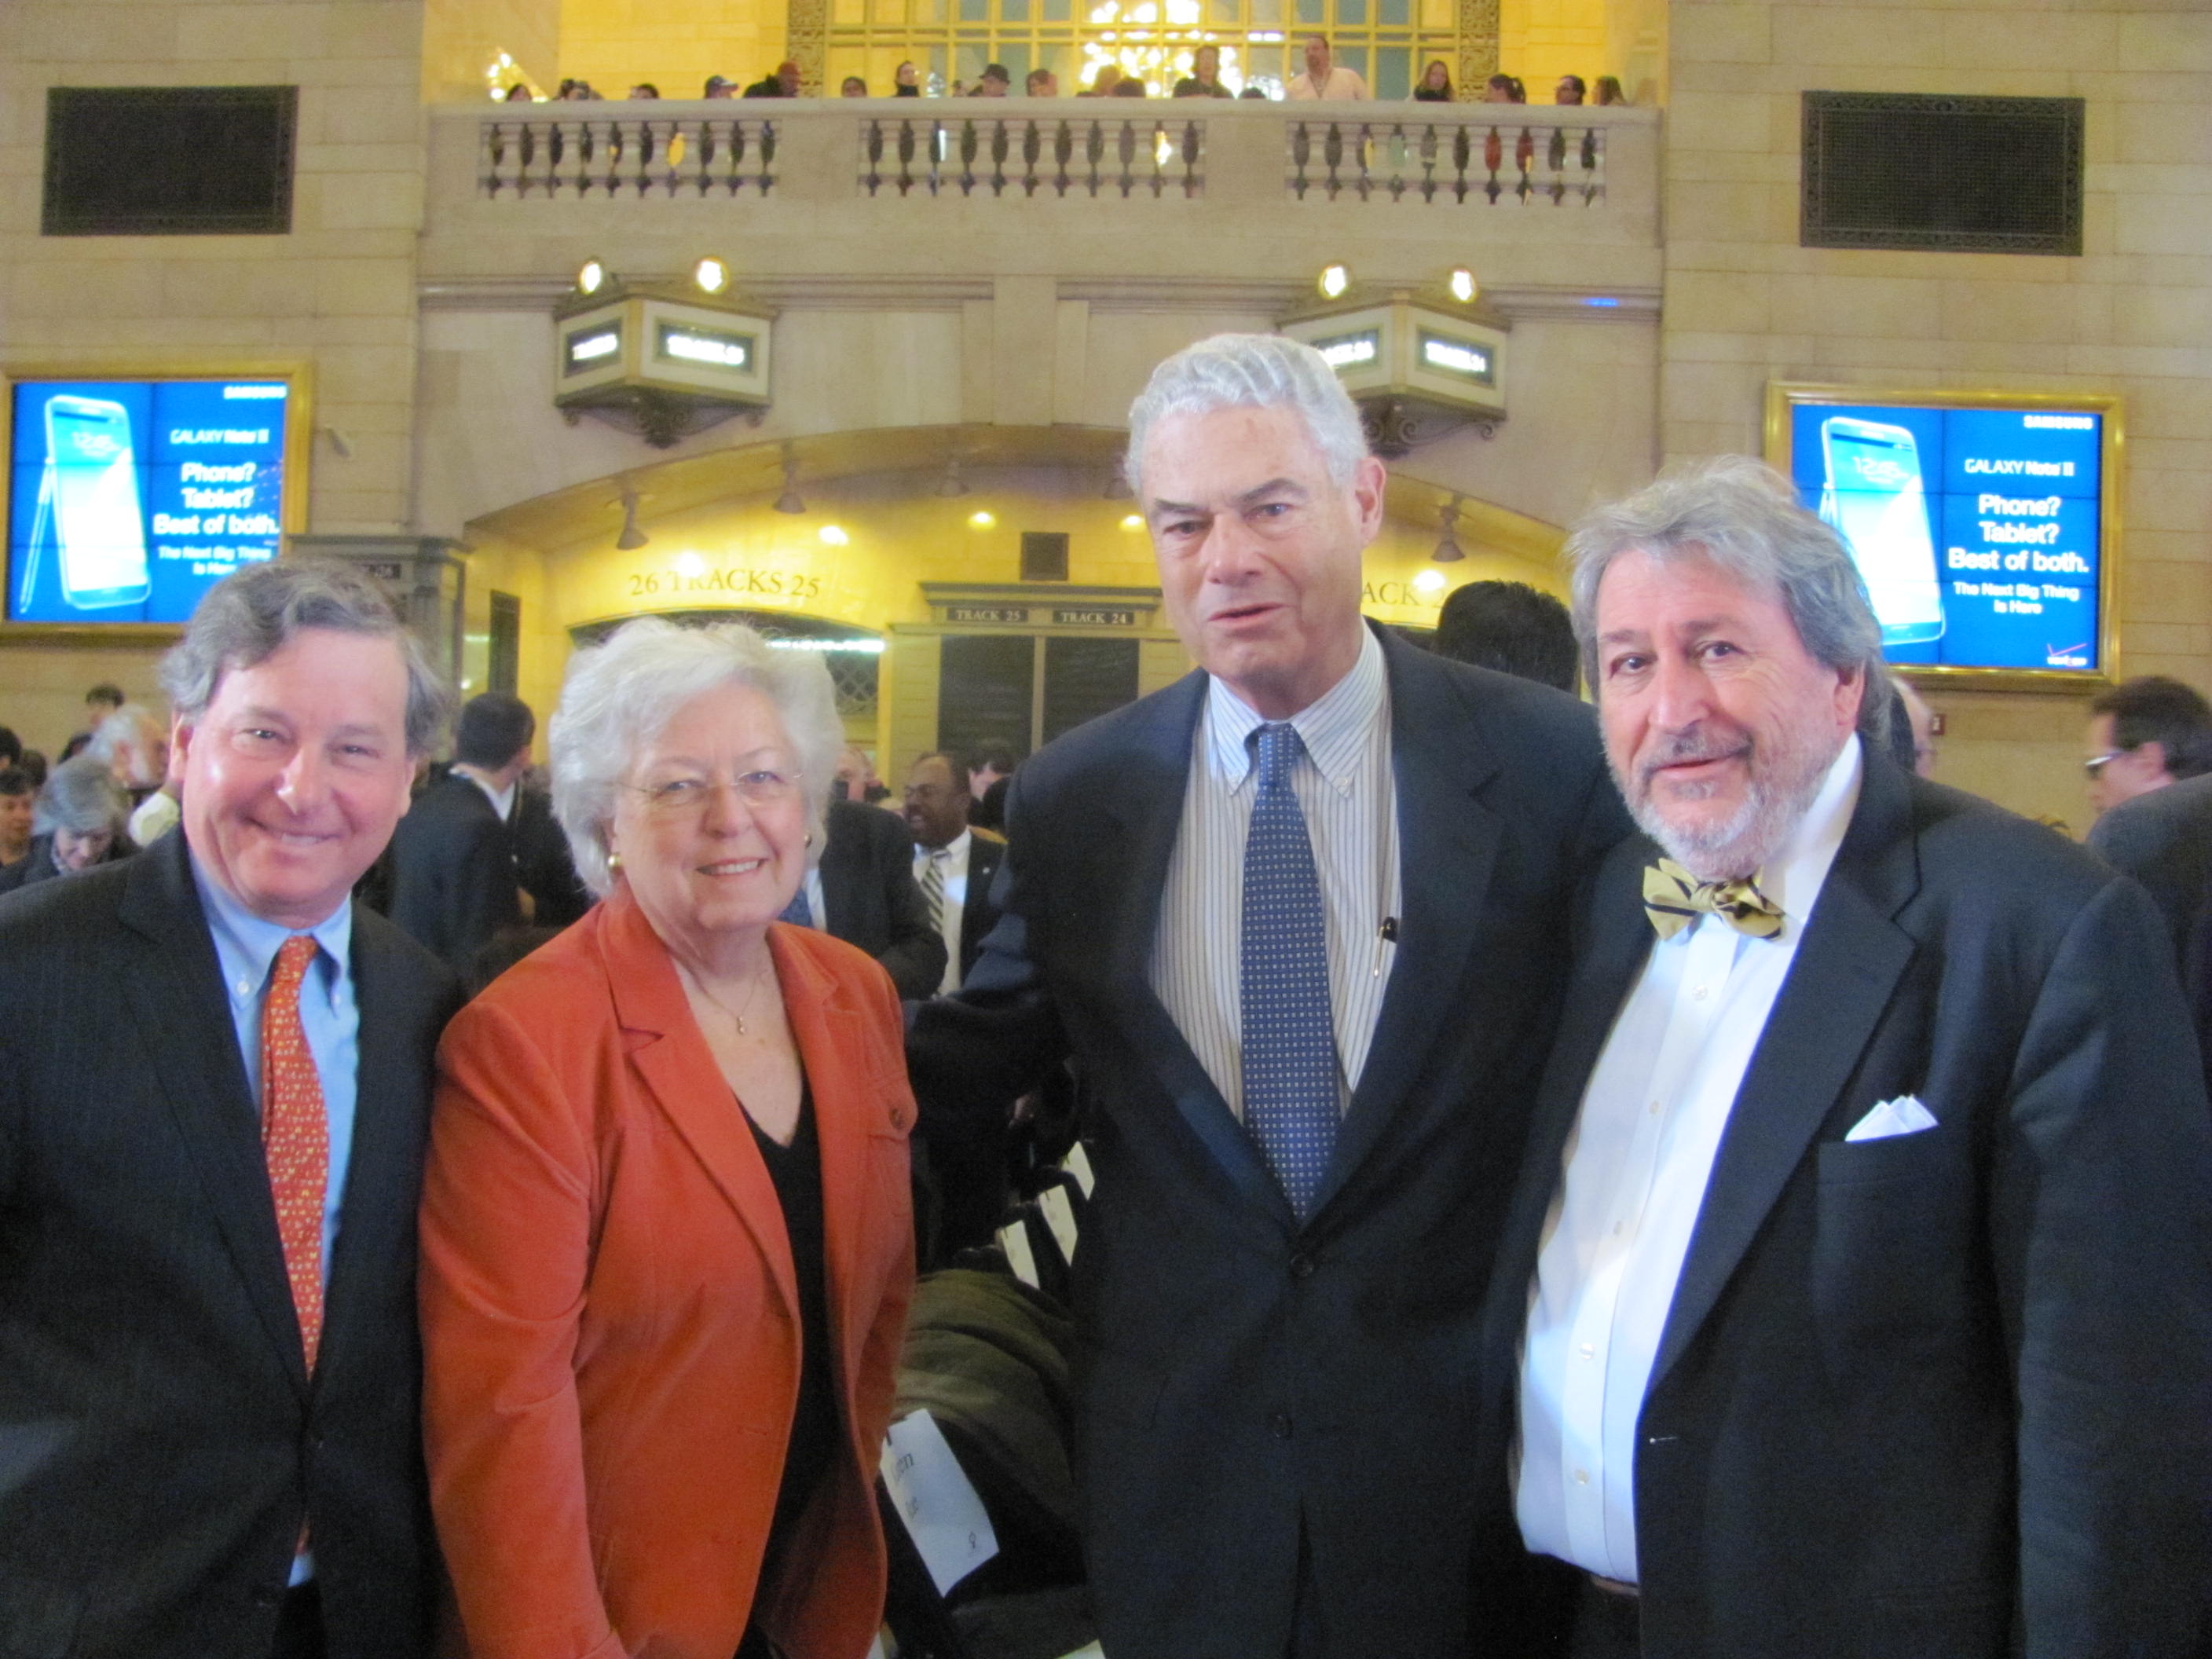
column 1905, row 1115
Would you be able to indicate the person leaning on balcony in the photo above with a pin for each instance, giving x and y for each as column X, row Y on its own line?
column 1435, row 86
column 783, row 82
column 906, row 81
column 1204, row 79
column 666, row 1231
column 854, row 87
column 994, row 82
column 1105, row 83
column 1608, row 90
column 1041, row 83
column 720, row 86
column 1570, row 90
column 1321, row 80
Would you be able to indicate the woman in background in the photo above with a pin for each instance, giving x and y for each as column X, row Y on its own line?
column 1435, row 86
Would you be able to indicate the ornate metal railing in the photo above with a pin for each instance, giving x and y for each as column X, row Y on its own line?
column 628, row 154
column 1462, row 163
column 1026, row 157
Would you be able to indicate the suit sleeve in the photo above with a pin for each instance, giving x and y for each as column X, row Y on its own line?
column 972, row 1054
column 506, row 1225
column 914, row 958
column 2101, row 1231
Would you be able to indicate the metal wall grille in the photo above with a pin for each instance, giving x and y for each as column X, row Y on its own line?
column 169, row 161
column 1946, row 174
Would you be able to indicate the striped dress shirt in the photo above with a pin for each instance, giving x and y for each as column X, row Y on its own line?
column 1349, row 797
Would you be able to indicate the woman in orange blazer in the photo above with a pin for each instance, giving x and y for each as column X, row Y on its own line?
column 666, row 1245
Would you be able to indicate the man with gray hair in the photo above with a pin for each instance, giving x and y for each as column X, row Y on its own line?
column 1857, row 1282
column 218, row 1084
column 1295, row 918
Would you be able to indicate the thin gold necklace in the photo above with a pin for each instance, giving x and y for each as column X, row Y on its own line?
column 737, row 1014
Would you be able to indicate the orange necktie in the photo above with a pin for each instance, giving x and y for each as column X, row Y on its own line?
column 296, row 1136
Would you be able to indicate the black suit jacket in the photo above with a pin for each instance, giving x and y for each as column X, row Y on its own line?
column 453, row 878
column 1246, row 1379
column 871, row 901
column 1916, row 1395
column 978, row 914
column 160, row 1441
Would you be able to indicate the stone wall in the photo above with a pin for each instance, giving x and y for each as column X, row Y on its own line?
column 1745, row 304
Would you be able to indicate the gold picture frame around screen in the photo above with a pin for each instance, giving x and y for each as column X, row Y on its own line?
column 298, row 375
column 1785, row 398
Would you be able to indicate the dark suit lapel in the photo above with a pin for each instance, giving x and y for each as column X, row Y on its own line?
column 1846, row 970
column 1446, row 842
column 376, row 1216
column 175, row 992
column 1138, row 829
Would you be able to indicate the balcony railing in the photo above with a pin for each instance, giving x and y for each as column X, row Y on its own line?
column 1423, row 156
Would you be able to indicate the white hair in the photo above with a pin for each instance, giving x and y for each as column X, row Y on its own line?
column 1252, row 371
column 621, row 694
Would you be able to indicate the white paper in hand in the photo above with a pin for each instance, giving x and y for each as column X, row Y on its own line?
column 1058, row 1212
column 1014, row 1240
column 943, row 1515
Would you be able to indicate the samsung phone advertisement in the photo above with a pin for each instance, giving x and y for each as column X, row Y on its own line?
column 1977, row 530
column 128, row 499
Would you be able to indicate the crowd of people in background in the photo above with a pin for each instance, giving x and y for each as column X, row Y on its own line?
column 1322, row 79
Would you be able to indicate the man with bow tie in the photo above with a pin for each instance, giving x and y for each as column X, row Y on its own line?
column 1861, row 1276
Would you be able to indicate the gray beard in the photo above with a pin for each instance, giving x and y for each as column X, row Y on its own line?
column 1780, row 793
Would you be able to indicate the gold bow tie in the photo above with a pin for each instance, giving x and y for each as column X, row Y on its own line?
column 1674, row 898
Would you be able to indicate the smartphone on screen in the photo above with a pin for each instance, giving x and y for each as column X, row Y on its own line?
column 99, row 531
column 1875, row 500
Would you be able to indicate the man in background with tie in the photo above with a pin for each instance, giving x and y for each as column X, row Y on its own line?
column 952, row 864
column 1297, row 918
column 216, row 1088
column 1858, row 1281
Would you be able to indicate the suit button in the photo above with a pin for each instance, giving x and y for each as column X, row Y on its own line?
column 1301, row 1266
column 1279, row 1425
column 267, row 1596
column 898, row 1117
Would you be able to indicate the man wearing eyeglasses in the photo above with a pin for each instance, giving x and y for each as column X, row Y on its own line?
column 2149, row 739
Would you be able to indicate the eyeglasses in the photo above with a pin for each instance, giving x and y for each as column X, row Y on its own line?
column 684, row 797
column 2097, row 763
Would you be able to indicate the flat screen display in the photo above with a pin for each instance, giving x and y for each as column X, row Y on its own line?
column 128, row 499
column 1979, row 530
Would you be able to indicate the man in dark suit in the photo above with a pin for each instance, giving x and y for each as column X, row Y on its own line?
column 862, row 890
column 218, row 1090
column 1858, row 1278
column 1295, row 916
column 454, row 883
column 953, row 865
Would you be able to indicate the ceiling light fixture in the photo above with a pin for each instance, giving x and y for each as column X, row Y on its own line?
column 1336, row 281
column 790, row 501
column 632, row 537
column 1447, row 549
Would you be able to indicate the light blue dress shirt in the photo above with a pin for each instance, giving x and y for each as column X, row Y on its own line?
column 245, row 946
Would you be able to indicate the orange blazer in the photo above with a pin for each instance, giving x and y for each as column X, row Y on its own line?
column 609, row 1315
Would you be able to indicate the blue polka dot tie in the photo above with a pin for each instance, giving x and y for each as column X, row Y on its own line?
column 1290, row 1042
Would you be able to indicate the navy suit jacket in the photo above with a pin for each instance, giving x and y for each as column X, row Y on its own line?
column 1246, row 1381
column 161, row 1440
column 1940, row 1394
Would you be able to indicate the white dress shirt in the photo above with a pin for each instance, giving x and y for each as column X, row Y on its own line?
column 503, row 801
column 1635, row 1170
column 1349, row 797
column 952, row 863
